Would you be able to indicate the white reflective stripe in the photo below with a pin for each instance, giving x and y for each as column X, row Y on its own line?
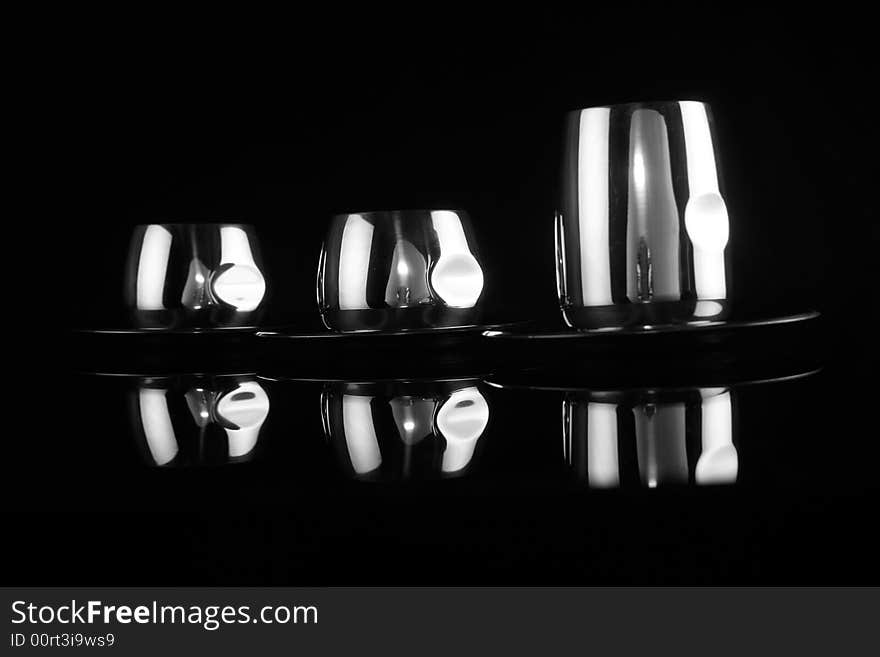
column 235, row 247
column 152, row 268
column 360, row 434
column 247, row 408
column 705, row 218
column 156, row 421
column 354, row 262
column 701, row 171
column 718, row 462
column 457, row 277
column 450, row 232
column 593, row 206
column 461, row 421
column 602, row 465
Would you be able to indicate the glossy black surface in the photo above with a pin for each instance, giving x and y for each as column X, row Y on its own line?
column 308, row 506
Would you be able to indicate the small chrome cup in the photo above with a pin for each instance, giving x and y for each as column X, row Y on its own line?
column 195, row 276
column 399, row 270
column 642, row 229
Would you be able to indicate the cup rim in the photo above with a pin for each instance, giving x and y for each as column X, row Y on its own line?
column 639, row 104
column 187, row 224
column 401, row 212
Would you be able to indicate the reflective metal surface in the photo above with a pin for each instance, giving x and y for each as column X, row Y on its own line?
column 404, row 430
column 194, row 276
column 474, row 478
column 677, row 436
column 194, row 420
column 642, row 227
column 399, row 270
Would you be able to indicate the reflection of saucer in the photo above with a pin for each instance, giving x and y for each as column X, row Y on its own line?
column 422, row 353
column 605, row 361
column 153, row 352
column 602, row 382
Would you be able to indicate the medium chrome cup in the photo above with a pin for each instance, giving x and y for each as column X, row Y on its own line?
column 642, row 229
column 399, row 270
column 195, row 276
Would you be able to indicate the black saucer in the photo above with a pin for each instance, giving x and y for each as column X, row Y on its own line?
column 312, row 330
column 557, row 332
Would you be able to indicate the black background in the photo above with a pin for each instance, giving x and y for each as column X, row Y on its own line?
column 282, row 121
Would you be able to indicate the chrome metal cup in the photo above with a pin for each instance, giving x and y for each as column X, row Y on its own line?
column 642, row 229
column 195, row 276
column 399, row 270
column 398, row 430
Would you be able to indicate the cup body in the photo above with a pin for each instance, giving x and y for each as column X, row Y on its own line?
column 642, row 227
column 399, row 270
column 195, row 276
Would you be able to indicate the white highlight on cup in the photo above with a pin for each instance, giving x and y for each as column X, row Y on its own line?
column 152, row 268
column 705, row 216
column 354, row 263
column 602, row 462
column 156, row 421
column 718, row 462
column 242, row 285
column 235, row 247
column 457, row 277
column 360, row 434
column 461, row 421
column 593, row 199
column 246, row 407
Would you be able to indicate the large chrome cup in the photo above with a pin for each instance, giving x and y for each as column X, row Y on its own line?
column 642, row 229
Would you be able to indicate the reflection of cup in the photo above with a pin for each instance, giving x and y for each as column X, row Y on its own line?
column 600, row 429
column 399, row 270
column 199, row 420
column 404, row 430
column 195, row 276
column 642, row 229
